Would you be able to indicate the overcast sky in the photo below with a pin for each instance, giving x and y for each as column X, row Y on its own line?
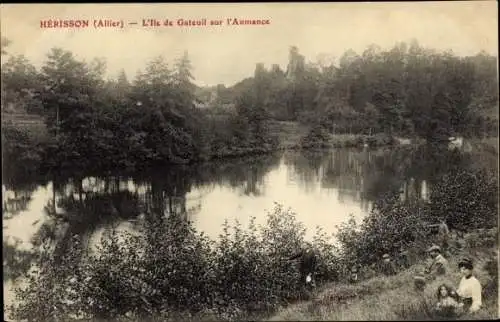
column 227, row 54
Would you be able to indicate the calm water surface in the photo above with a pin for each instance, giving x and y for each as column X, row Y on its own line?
column 323, row 188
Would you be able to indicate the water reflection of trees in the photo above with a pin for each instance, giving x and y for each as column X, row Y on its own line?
column 244, row 174
column 80, row 204
column 18, row 186
column 365, row 175
column 16, row 261
column 305, row 166
column 17, row 195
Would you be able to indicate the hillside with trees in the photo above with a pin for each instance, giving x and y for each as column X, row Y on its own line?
column 408, row 90
column 162, row 117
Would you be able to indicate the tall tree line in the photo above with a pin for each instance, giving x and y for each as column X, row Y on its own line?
column 101, row 124
column 407, row 90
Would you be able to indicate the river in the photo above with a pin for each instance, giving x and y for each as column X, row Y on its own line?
column 324, row 188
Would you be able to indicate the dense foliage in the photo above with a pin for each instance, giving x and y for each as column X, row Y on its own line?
column 162, row 117
column 407, row 90
column 168, row 267
column 106, row 124
column 19, row 146
column 466, row 200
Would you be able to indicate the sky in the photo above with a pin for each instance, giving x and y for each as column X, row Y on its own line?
column 227, row 54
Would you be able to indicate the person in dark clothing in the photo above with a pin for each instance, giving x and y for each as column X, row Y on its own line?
column 387, row 265
column 307, row 265
column 439, row 264
column 443, row 235
column 353, row 276
column 403, row 258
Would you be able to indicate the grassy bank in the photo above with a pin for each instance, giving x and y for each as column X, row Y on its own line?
column 289, row 134
column 394, row 298
column 318, row 137
column 32, row 124
column 485, row 152
column 293, row 135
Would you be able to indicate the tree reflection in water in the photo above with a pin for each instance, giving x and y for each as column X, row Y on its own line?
column 364, row 175
column 82, row 204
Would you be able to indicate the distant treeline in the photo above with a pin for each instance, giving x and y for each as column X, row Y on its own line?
column 408, row 90
column 99, row 123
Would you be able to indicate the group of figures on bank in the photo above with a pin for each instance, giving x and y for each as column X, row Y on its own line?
column 451, row 302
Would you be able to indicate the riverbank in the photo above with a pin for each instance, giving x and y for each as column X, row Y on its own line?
column 26, row 139
column 393, row 298
column 29, row 139
column 292, row 136
column 32, row 124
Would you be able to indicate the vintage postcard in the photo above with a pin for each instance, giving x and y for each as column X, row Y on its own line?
column 250, row 161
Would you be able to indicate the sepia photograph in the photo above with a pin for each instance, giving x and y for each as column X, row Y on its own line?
column 250, row 161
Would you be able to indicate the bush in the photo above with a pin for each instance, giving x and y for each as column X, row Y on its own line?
column 170, row 268
column 391, row 224
column 20, row 146
column 467, row 199
column 376, row 140
column 318, row 137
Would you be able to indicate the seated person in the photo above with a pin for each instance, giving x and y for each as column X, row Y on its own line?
column 387, row 265
column 469, row 288
column 448, row 304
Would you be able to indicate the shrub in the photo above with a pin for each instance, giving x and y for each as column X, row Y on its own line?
column 170, row 268
column 391, row 224
column 171, row 271
column 317, row 137
column 467, row 199
column 377, row 140
column 19, row 146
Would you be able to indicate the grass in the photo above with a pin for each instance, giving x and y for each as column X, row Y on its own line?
column 33, row 124
column 344, row 140
column 485, row 152
column 489, row 144
column 390, row 298
column 289, row 133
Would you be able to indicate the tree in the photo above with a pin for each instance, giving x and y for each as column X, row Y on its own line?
column 461, row 82
column 261, row 86
column 121, row 87
column 183, row 79
column 165, row 118
column 302, row 85
column 68, row 88
column 276, row 93
column 19, row 83
column 184, row 68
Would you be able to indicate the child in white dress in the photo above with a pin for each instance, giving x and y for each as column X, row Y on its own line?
column 448, row 304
